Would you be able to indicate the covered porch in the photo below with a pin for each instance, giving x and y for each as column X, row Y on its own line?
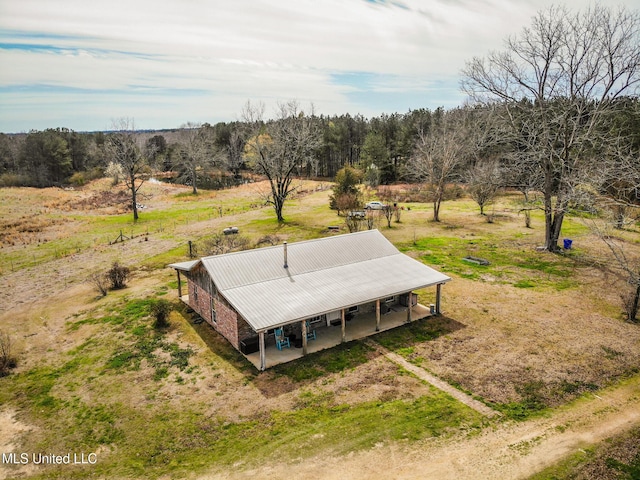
column 360, row 326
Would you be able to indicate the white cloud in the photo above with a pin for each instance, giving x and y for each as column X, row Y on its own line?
column 172, row 61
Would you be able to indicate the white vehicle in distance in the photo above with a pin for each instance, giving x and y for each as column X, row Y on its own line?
column 374, row 206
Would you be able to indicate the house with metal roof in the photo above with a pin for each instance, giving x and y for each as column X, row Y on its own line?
column 279, row 303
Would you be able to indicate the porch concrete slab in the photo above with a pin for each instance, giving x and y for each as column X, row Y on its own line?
column 360, row 326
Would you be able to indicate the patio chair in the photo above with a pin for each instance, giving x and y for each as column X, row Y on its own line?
column 281, row 340
column 311, row 334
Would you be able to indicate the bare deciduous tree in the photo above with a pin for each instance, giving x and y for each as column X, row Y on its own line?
column 123, row 147
column 347, row 202
column 557, row 83
column 280, row 148
column 628, row 267
column 196, row 151
column 235, row 147
column 618, row 178
column 373, row 218
column 436, row 159
column 387, row 212
column 484, row 181
column 524, row 176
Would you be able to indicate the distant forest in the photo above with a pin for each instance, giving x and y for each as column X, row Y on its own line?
column 382, row 147
column 56, row 157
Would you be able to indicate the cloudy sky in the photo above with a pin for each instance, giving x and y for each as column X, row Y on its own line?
column 81, row 64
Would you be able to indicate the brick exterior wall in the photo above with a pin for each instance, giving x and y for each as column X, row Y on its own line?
column 200, row 301
column 227, row 322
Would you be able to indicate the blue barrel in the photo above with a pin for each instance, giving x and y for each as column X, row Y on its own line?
column 567, row 244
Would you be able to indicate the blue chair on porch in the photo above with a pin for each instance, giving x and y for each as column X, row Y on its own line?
column 281, row 340
column 311, row 334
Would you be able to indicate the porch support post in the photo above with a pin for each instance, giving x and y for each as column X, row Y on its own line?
column 344, row 327
column 179, row 285
column 263, row 353
column 409, row 307
column 377, row 315
column 304, row 337
column 438, row 294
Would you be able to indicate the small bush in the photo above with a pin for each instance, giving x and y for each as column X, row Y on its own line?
column 118, row 276
column 94, row 174
column 78, row 179
column 629, row 301
column 13, row 180
column 160, row 310
column 268, row 240
column 345, row 202
column 115, row 171
column 354, row 224
column 7, row 360
column 220, row 243
column 100, row 282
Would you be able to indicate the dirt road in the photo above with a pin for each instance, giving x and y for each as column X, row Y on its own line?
column 508, row 451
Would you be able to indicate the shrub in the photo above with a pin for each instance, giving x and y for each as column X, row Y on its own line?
column 7, row 360
column 13, row 180
column 94, row 174
column 118, row 275
column 346, row 194
column 268, row 240
column 115, row 171
column 220, row 243
column 354, row 224
column 81, row 178
column 100, row 282
column 346, row 202
column 161, row 309
column 78, row 179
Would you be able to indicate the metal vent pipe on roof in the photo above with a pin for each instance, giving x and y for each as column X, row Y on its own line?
column 286, row 265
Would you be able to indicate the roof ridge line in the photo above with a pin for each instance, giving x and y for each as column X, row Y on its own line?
column 307, row 271
column 309, row 240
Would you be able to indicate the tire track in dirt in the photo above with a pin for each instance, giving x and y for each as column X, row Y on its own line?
column 508, row 451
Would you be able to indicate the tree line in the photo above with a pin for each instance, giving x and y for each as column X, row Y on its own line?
column 51, row 157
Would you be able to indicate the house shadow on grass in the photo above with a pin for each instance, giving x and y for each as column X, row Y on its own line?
column 417, row 332
column 290, row 376
column 218, row 344
column 293, row 375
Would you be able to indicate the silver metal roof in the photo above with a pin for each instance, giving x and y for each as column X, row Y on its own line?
column 185, row 266
column 323, row 275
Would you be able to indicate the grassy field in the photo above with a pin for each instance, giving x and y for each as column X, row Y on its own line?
column 525, row 334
